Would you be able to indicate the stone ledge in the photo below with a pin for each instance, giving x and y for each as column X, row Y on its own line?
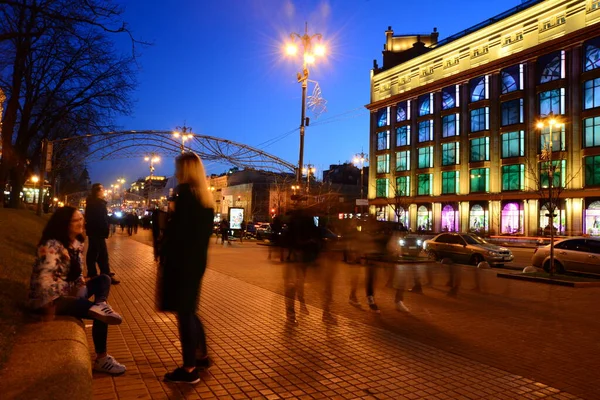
column 49, row 360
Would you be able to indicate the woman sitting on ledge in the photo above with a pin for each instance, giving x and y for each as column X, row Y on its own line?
column 58, row 287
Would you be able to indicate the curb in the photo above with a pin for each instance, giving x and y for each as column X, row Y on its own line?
column 50, row 360
column 557, row 282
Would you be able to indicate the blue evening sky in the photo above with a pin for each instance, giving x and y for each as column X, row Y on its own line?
column 220, row 67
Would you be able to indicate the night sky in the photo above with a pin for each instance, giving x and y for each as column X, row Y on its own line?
column 220, row 67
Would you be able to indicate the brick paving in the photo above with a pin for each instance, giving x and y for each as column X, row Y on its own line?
column 257, row 355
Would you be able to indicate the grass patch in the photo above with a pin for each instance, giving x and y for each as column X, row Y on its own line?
column 561, row 277
column 20, row 230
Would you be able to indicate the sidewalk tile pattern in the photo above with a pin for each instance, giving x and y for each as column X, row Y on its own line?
column 257, row 355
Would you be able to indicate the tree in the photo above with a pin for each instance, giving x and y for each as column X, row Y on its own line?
column 61, row 76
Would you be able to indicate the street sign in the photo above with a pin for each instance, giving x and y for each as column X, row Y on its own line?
column 362, row 202
column 48, row 156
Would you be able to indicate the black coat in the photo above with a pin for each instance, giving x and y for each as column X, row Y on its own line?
column 183, row 253
column 96, row 217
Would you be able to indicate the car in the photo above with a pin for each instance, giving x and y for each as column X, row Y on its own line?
column 466, row 248
column 405, row 244
column 579, row 254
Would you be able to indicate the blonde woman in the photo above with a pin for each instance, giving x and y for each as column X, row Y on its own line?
column 183, row 262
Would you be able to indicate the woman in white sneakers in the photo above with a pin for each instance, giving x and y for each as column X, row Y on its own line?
column 58, row 287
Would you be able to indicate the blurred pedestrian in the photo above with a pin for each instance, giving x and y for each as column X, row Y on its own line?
column 305, row 241
column 224, row 230
column 183, row 258
column 96, row 227
column 276, row 238
column 58, row 288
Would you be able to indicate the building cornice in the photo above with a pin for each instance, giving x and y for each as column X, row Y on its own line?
column 396, row 84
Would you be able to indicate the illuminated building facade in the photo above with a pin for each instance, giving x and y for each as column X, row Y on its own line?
column 454, row 142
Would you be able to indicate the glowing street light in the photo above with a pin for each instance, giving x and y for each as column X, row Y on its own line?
column 309, row 51
column 152, row 158
column 183, row 135
column 361, row 158
column 550, row 121
column 309, row 170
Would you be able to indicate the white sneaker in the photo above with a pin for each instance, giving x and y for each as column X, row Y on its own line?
column 103, row 312
column 109, row 365
column 401, row 307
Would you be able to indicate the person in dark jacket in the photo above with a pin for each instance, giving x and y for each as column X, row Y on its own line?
column 97, row 229
column 183, row 257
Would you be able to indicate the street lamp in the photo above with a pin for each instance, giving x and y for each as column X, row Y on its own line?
column 152, row 158
column 308, row 170
column 308, row 57
column 183, row 135
column 550, row 122
column 35, row 179
column 361, row 158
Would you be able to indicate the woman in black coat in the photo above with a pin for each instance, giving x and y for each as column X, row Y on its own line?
column 183, row 258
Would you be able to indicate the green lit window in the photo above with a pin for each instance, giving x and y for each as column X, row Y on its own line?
column 424, row 184
column 513, row 144
column 513, row 177
column 425, row 157
column 480, row 149
column 480, row 180
column 592, row 171
column 591, row 132
column 383, row 164
column 403, row 186
column 381, row 187
column 403, row 136
column 558, row 138
column 450, row 182
column 450, row 153
column 403, row 161
column 558, row 172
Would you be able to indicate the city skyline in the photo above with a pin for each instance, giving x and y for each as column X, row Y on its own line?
column 250, row 93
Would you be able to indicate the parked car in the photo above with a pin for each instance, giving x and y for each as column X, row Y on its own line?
column 574, row 254
column 466, row 248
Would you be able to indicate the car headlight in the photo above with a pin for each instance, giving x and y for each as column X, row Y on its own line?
column 419, row 242
column 492, row 253
column 402, row 242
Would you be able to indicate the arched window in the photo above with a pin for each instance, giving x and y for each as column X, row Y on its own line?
column 449, row 219
column 509, row 83
column 447, row 101
column 383, row 117
column 592, row 218
column 558, row 221
column 426, row 104
column 402, row 216
column 552, row 66
column 479, row 88
column 424, row 222
column 401, row 112
column 512, row 219
column 478, row 219
column 591, row 54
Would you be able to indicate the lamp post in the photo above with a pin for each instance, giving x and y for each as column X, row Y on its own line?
column 361, row 158
column 152, row 158
column 550, row 122
column 184, row 135
column 308, row 57
column 35, row 179
column 308, row 170
column 121, row 181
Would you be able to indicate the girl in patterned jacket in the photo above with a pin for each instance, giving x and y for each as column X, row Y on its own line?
column 58, row 287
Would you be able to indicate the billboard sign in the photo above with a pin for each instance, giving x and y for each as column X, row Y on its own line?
column 236, row 216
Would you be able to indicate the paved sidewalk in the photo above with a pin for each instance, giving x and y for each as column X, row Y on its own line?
column 258, row 356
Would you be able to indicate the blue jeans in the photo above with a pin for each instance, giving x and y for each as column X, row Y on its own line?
column 78, row 307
